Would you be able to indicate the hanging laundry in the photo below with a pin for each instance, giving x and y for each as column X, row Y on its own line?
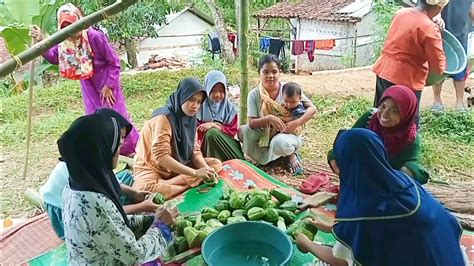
column 264, row 44
column 232, row 37
column 325, row 44
column 214, row 43
column 309, row 48
column 276, row 46
column 297, row 47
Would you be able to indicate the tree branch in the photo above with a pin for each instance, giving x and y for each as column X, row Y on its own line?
column 36, row 50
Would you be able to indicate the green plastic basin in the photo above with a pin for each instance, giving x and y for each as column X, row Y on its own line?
column 456, row 59
column 249, row 244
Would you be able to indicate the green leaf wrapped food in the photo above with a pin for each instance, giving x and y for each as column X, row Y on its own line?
column 261, row 192
column 256, row 201
column 288, row 205
column 270, row 204
column 237, row 200
column 223, row 216
column 237, row 213
column 281, row 224
column 204, row 233
column 255, row 213
column 271, row 215
column 192, row 237
column 181, row 224
column 180, row 244
column 209, row 213
column 238, row 219
column 214, row 223
column 280, row 195
column 288, row 216
column 222, row 205
column 159, row 199
column 200, row 225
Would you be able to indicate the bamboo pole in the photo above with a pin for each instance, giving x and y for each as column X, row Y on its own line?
column 28, row 118
column 39, row 48
column 243, row 52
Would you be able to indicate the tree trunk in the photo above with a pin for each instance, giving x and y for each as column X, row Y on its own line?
column 221, row 29
column 132, row 50
column 244, row 55
column 36, row 50
column 237, row 13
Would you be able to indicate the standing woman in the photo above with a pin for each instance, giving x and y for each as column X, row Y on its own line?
column 87, row 56
column 263, row 110
column 97, row 230
column 218, row 121
column 169, row 160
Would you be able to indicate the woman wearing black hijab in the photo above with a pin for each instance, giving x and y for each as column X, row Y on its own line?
column 168, row 158
column 97, row 231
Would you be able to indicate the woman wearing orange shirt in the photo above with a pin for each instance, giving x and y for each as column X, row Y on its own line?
column 412, row 47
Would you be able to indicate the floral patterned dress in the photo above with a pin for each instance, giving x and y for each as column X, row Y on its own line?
column 96, row 234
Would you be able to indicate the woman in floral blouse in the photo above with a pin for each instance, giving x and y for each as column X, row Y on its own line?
column 97, row 231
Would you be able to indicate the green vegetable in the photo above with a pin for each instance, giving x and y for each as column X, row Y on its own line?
column 180, row 244
column 256, row 201
column 237, row 200
column 238, row 213
column 260, row 192
column 270, row 204
column 223, row 216
column 238, row 219
column 271, row 215
column 181, row 224
column 227, row 191
column 214, row 224
column 192, row 237
column 281, row 224
column 158, row 199
column 304, row 227
column 287, row 215
column 288, row 205
column 192, row 219
column 209, row 213
column 255, row 213
column 204, row 233
column 200, row 225
column 280, row 195
column 223, row 205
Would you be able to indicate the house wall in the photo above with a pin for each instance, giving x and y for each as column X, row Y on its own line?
column 341, row 55
column 184, row 47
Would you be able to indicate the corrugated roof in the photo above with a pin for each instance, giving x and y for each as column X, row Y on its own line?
column 323, row 10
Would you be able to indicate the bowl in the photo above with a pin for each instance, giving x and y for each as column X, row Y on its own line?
column 456, row 59
column 249, row 244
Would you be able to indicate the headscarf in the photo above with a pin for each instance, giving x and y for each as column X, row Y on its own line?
column 123, row 123
column 397, row 137
column 75, row 57
column 88, row 148
column 183, row 126
column 222, row 112
column 383, row 216
column 441, row 3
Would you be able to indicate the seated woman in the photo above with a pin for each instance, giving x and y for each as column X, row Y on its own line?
column 218, row 121
column 97, row 230
column 383, row 217
column 265, row 113
column 168, row 159
column 133, row 201
column 394, row 121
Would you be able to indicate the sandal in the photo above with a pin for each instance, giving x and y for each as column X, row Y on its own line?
column 295, row 166
column 314, row 182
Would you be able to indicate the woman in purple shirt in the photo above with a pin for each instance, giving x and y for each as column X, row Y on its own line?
column 87, row 56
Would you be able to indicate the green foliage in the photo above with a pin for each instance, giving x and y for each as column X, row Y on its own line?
column 23, row 10
column 16, row 38
column 452, row 126
column 384, row 11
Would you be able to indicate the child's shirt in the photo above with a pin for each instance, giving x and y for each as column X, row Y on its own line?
column 298, row 111
column 413, row 43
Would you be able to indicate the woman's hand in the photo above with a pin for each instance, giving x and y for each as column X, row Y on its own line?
column 291, row 127
column 440, row 22
column 334, row 166
column 206, row 126
column 35, row 33
column 148, row 205
column 107, row 96
column 205, row 173
column 276, row 123
column 303, row 242
column 320, row 224
column 166, row 215
column 139, row 196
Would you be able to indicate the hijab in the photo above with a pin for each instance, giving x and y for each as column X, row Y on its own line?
column 222, row 112
column 183, row 126
column 74, row 56
column 88, row 148
column 382, row 213
column 123, row 123
column 397, row 137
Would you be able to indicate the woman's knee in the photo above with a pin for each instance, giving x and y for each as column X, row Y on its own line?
column 284, row 144
column 248, row 133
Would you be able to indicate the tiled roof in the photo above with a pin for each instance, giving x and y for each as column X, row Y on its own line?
column 324, row 10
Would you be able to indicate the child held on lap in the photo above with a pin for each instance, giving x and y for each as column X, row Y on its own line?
column 292, row 103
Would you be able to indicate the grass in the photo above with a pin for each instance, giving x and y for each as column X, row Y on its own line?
column 447, row 139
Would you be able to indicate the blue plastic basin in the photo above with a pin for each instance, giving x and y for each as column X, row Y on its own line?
column 249, row 244
column 456, row 59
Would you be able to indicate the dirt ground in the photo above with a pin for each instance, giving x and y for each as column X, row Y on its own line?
column 361, row 83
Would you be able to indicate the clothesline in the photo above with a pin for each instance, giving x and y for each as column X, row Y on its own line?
column 336, row 39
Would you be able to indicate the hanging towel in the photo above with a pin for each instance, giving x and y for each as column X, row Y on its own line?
column 232, row 37
column 275, row 47
column 214, row 43
column 264, row 44
column 309, row 48
column 325, row 44
column 297, row 47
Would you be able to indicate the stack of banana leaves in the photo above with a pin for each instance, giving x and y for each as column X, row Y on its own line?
column 270, row 206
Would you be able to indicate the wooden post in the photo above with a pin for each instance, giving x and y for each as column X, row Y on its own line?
column 243, row 48
column 28, row 117
column 298, row 36
column 354, row 51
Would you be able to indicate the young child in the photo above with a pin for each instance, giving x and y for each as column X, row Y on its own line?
column 292, row 103
column 412, row 48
